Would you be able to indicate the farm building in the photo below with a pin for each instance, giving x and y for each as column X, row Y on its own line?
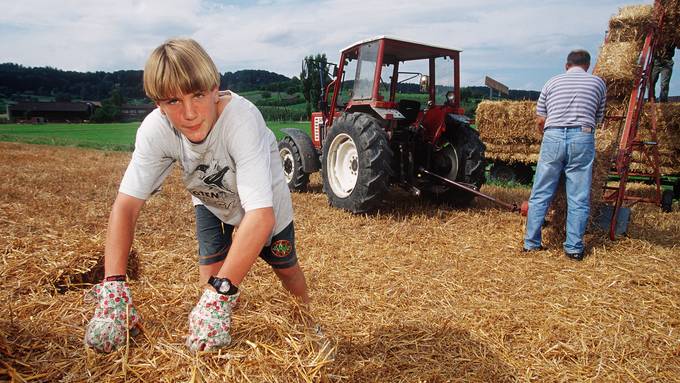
column 133, row 112
column 70, row 111
column 51, row 111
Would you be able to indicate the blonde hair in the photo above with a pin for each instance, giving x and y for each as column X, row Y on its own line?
column 177, row 67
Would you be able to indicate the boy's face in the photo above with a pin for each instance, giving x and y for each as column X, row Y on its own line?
column 193, row 114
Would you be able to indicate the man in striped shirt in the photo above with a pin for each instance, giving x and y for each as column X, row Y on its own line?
column 569, row 107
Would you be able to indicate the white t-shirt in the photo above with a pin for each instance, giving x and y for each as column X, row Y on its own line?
column 237, row 167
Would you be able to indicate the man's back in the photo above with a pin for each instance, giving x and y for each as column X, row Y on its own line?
column 574, row 98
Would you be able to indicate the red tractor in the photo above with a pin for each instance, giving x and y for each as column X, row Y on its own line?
column 394, row 117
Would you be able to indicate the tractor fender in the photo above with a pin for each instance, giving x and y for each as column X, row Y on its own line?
column 310, row 159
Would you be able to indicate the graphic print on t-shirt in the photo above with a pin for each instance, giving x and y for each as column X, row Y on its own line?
column 210, row 182
column 213, row 177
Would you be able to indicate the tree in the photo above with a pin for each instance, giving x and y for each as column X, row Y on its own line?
column 110, row 110
column 293, row 87
column 310, row 78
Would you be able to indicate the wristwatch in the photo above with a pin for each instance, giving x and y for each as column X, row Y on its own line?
column 222, row 285
column 114, row 278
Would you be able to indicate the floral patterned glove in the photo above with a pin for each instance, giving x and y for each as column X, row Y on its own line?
column 210, row 320
column 107, row 329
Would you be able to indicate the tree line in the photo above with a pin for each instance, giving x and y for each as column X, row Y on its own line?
column 20, row 83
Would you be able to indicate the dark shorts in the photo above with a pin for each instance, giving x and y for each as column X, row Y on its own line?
column 214, row 240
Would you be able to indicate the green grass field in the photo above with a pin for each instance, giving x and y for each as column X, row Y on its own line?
column 119, row 137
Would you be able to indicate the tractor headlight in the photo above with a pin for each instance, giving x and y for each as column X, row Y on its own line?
column 450, row 97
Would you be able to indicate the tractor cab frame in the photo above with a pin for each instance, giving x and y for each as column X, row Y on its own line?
column 370, row 75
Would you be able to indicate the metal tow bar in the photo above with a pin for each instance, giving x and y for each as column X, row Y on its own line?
column 470, row 188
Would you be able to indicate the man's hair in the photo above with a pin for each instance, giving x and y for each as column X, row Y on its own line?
column 578, row 57
column 177, row 67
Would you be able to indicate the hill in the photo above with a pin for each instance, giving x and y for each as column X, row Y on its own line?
column 18, row 82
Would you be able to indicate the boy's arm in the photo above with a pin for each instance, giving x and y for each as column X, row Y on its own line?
column 120, row 233
column 252, row 234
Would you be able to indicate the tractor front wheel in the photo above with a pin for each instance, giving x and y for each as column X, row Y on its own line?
column 355, row 164
column 291, row 159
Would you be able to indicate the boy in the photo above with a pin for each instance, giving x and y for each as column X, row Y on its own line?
column 231, row 166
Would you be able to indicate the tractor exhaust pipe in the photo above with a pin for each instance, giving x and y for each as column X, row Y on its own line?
column 469, row 188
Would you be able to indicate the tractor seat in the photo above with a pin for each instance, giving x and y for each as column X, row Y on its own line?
column 410, row 110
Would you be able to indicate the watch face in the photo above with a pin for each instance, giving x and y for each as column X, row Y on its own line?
column 224, row 287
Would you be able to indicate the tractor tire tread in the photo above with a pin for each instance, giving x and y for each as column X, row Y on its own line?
column 374, row 162
column 300, row 179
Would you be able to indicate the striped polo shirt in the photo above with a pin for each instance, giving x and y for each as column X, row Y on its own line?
column 574, row 98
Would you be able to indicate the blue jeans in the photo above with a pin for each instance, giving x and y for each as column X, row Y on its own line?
column 572, row 151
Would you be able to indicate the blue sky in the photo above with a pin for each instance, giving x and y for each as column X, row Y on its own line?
column 521, row 43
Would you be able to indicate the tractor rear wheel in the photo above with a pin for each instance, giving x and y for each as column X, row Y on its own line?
column 355, row 164
column 291, row 159
column 461, row 160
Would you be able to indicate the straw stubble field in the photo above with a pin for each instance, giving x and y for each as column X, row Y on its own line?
column 414, row 293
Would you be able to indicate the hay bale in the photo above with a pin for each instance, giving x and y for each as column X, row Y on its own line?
column 667, row 125
column 507, row 122
column 508, row 128
column 618, row 66
column 668, row 136
column 554, row 229
column 615, row 109
column 630, row 24
column 671, row 22
column 517, row 153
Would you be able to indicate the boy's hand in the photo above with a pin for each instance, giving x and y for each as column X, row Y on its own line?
column 210, row 320
column 114, row 314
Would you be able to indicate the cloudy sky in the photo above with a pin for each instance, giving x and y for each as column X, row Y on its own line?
column 518, row 42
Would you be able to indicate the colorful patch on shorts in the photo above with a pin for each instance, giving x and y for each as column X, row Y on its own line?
column 281, row 248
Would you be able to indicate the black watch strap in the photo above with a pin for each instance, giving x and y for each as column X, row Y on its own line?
column 114, row 278
column 219, row 285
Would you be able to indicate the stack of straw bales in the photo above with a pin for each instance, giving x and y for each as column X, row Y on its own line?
column 617, row 63
column 508, row 129
column 671, row 25
column 668, row 136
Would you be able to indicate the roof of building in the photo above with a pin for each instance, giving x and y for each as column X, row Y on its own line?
column 139, row 106
column 51, row 106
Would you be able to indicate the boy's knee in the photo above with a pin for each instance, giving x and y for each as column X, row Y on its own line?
column 288, row 272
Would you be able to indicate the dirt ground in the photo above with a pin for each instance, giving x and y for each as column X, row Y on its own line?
column 413, row 293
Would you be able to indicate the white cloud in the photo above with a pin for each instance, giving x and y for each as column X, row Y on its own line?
column 521, row 42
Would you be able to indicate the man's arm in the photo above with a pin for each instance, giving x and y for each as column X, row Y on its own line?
column 540, row 124
column 120, row 233
column 251, row 235
column 599, row 115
